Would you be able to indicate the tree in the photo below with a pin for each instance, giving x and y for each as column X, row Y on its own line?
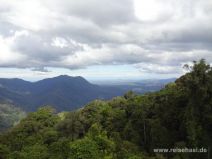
column 4, row 151
column 84, row 149
column 72, row 126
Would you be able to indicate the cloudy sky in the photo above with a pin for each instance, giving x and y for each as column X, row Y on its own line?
column 103, row 39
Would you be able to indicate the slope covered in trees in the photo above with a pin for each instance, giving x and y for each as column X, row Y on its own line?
column 66, row 93
column 128, row 127
column 9, row 116
column 62, row 92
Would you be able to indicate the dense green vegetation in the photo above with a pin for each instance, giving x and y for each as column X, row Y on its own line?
column 128, row 127
column 9, row 116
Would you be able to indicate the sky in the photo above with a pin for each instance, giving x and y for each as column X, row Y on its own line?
column 103, row 39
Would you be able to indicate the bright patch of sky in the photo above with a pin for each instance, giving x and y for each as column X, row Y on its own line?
column 92, row 73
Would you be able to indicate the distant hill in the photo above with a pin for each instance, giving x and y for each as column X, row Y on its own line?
column 67, row 93
column 139, row 86
column 62, row 92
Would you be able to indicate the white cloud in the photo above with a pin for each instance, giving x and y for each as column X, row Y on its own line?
column 154, row 34
column 8, row 57
column 158, row 69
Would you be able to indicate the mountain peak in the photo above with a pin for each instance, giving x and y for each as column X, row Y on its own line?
column 71, row 80
column 66, row 77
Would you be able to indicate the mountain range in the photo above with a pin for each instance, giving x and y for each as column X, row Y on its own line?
column 65, row 92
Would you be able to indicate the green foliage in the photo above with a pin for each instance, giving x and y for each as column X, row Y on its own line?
column 36, row 128
column 9, row 116
column 4, row 151
column 35, row 151
column 128, row 127
column 84, row 149
column 59, row 149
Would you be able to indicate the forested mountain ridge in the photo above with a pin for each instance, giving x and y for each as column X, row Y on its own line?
column 126, row 127
column 66, row 92
column 62, row 92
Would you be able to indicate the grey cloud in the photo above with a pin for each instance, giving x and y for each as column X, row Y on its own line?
column 104, row 12
column 159, row 69
column 40, row 69
column 6, row 29
column 42, row 50
column 76, row 34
